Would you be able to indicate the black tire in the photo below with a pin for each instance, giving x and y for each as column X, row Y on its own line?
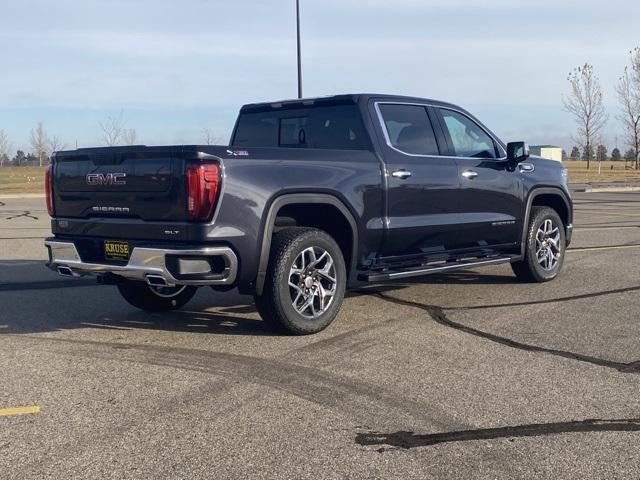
column 530, row 269
column 275, row 305
column 155, row 299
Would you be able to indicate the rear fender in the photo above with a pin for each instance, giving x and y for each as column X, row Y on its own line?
column 306, row 198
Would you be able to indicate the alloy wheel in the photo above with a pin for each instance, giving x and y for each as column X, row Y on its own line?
column 548, row 248
column 312, row 282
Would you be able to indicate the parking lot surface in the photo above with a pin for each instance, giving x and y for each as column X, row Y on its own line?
column 465, row 375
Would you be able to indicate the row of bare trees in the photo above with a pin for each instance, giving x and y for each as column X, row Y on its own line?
column 5, row 148
column 628, row 91
column 41, row 144
column 113, row 132
column 585, row 103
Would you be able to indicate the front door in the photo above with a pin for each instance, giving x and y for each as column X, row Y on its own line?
column 422, row 186
column 490, row 190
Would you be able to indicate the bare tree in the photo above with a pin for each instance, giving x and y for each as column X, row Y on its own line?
column 209, row 136
column 585, row 103
column 130, row 136
column 112, row 129
column 40, row 143
column 628, row 91
column 56, row 143
column 5, row 148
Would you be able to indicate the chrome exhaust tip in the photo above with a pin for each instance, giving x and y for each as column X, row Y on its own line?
column 65, row 271
column 157, row 281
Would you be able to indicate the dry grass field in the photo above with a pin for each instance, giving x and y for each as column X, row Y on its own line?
column 608, row 172
column 17, row 180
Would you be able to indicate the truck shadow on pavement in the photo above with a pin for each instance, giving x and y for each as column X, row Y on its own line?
column 185, row 321
column 49, row 299
column 100, row 307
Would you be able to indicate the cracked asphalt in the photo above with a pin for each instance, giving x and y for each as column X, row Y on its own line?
column 464, row 375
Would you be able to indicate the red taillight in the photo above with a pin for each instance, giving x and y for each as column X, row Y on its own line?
column 48, row 191
column 202, row 189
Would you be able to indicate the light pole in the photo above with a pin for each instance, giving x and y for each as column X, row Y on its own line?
column 299, row 58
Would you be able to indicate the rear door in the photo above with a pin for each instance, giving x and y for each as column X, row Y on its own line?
column 489, row 200
column 132, row 182
column 422, row 185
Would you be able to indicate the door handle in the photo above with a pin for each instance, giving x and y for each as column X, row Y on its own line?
column 402, row 174
column 469, row 174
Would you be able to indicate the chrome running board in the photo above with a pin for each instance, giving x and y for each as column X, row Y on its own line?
column 391, row 274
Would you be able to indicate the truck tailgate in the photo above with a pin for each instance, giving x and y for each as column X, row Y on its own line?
column 136, row 182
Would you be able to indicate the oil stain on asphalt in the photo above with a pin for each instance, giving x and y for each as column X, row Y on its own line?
column 407, row 440
column 438, row 315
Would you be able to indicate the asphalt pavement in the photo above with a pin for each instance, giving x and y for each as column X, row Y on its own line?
column 464, row 375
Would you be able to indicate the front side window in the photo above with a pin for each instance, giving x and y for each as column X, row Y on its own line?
column 409, row 129
column 467, row 138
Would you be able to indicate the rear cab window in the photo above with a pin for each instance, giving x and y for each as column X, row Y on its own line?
column 408, row 129
column 336, row 127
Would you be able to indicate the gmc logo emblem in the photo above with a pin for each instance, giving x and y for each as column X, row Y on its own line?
column 106, row 178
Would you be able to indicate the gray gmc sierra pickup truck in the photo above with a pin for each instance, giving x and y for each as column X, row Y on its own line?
column 311, row 197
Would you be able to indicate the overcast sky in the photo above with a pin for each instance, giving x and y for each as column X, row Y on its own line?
column 174, row 67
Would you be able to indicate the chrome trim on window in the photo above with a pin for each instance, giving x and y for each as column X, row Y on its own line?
column 386, row 132
column 425, row 105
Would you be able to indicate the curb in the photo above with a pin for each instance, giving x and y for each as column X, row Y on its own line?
column 611, row 189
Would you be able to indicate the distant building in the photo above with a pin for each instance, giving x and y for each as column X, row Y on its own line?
column 547, row 151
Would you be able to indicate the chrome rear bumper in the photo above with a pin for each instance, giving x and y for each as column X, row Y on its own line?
column 145, row 264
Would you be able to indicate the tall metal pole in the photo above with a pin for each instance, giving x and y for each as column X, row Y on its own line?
column 299, row 58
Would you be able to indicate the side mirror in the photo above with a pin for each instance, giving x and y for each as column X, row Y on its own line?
column 517, row 151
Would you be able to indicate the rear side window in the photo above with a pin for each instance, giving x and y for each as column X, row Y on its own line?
column 257, row 130
column 326, row 127
column 467, row 138
column 409, row 129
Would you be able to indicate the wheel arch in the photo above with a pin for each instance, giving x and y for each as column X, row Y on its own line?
column 285, row 203
column 551, row 197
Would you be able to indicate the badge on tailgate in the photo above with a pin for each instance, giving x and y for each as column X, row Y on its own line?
column 117, row 250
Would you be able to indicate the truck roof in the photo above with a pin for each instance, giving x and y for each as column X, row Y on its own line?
column 355, row 98
column 339, row 99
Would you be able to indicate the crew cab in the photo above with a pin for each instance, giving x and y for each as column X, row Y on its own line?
column 311, row 197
